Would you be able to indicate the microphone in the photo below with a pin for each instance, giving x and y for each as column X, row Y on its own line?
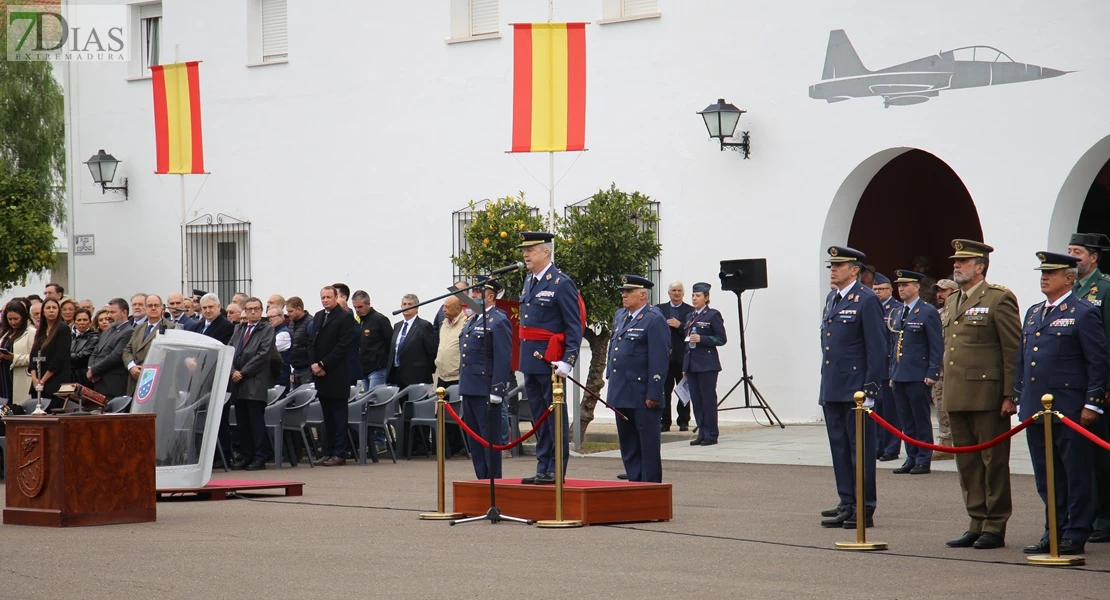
column 512, row 267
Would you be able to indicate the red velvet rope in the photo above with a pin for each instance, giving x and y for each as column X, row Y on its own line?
column 955, row 450
column 513, row 444
column 1083, row 430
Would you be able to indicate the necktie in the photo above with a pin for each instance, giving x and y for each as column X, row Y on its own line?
column 400, row 342
column 327, row 313
column 247, row 335
column 837, row 299
column 535, row 283
column 1047, row 309
column 149, row 328
column 905, row 313
column 628, row 319
column 206, row 324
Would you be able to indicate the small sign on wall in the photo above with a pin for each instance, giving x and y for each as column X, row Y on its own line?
column 84, row 245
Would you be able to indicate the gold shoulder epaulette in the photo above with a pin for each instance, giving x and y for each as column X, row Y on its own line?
column 995, row 286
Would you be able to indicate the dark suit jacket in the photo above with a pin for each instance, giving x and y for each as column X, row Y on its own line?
column 138, row 346
column 252, row 359
column 106, row 361
column 678, row 334
column 418, row 354
column 220, row 329
column 328, row 347
column 56, row 353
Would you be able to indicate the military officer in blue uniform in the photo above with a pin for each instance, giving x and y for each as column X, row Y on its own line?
column 854, row 342
column 918, row 352
column 705, row 331
column 1063, row 353
column 888, row 444
column 551, row 322
column 639, row 355
column 485, row 350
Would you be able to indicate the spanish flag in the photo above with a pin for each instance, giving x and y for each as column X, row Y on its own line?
column 177, row 118
column 549, row 87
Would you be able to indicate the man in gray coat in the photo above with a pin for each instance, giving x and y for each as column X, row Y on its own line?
column 106, row 371
column 250, row 380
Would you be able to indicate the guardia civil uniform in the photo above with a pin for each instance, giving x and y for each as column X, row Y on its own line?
column 885, row 405
column 639, row 356
column 918, row 350
column 485, row 351
column 982, row 331
column 1063, row 353
column 1094, row 288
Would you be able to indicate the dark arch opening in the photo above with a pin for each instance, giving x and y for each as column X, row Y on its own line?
column 914, row 206
column 1095, row 216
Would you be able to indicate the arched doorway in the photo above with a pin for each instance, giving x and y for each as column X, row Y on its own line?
column 1083, row 204
column 1095, row 216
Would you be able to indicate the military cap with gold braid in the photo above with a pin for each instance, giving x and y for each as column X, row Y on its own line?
column 488, row 284
column 970, row 249
column 534, row 238
column 1054, row 261
column 839, row 254
column 905, row 276
column 635, row 282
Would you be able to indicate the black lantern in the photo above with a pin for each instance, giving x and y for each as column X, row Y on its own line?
column 103, row 168
column 720, row 120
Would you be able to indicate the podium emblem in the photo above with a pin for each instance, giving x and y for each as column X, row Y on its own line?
column 145, row 389
column 31, row 462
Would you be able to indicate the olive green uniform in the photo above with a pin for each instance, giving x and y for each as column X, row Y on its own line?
column 1095, row 289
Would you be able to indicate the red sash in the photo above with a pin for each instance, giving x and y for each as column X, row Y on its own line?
column 556, row 342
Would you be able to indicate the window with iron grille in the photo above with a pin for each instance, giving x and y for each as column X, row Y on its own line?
column 460, row 221
column 655, row 271
column 218, row 255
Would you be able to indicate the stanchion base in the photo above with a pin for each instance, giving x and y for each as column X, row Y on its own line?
column 438, row 516
column 861, row 546
column 557, row 524
column 1056, row 561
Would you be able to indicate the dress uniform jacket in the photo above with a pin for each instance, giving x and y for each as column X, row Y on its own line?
column 922, row 344
column 472, row 353
column 552, row 306
column 854, row 342
column 638, row 355
column 710, row 325
column 1096, row 291
column 981, row 337
column 891, row 309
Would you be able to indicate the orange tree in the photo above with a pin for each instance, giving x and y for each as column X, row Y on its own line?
column 492, row 238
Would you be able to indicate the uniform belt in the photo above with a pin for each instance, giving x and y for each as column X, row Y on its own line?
column 556, row 342
column 535, row 334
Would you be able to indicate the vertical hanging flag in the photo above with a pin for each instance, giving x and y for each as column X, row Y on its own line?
column 177, row 118
column 549, row 87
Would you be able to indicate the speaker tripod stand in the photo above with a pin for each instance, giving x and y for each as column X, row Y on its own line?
column 752, row 397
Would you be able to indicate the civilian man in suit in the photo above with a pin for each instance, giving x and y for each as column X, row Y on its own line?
column 888, row 444
column 107, row 371
column 705, row 330
column 982, row 332
column 854, row 341
column 551, row 323
column 918, row 350
column 1063, row 353
column 485, row 351
column 677, row 313
column 134, row 354
column 175, row 302
column 213, row 324
column 250, row 381
column 332, row 333
column 1093, row 286
column 641, row 342
column 412, row 351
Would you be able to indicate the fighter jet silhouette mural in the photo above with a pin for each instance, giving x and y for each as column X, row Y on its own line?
column 916, row 81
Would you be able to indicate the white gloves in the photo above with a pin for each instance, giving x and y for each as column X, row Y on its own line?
column 869, row 402
column 495, row 399
column 562, row 369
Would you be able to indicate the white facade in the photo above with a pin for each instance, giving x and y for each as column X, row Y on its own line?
column 349, row 158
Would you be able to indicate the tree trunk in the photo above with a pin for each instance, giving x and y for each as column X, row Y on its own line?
column 595, row 378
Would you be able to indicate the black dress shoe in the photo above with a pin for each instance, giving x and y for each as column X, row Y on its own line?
column 683, row 428
column 544, row 479
column 831, row 512
column 905, row 468
column 1099, row 536
column 663, row 428
column 709, row 442
column 1041, row 547
column 920, row 470
column 241, row 465
column 255, row 466
column 836, row 521
column 695, row 442
column 887, row 457
column 966, row 540
column 851, row 522
column 320, row 461
column 622, row 476
column 1068, row 547
column 989, row 541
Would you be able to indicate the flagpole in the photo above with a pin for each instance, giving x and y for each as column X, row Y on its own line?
column 551, row 155
column 184, row 259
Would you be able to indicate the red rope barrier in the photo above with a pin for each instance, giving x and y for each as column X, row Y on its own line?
column 1083, row 430
column 478, row 438
column 955, row 450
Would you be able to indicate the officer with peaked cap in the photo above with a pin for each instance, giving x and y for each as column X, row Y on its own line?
column 982, row 331
column 485, row 351
column 888, row 444
column 918, row 350
column 854, row 342
column 552, row 319
column 1093, row 286
column 1063, row 353
column 705, row 331
column 639, row 353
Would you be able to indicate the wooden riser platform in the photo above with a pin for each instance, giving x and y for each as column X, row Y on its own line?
column 218, row 489
column 592, row 502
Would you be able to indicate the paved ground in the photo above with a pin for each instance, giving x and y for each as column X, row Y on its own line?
column 740, row 531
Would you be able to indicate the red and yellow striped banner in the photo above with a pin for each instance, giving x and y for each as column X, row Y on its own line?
column 549, row 87
column 177, row 118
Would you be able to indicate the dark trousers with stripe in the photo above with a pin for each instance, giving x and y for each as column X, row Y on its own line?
column 476, row 416
column 538, row 390
column 703, row 395
column 887, row 407
column 1071, row 454
column 840, row 423
column 640, row 439
column 915, row 415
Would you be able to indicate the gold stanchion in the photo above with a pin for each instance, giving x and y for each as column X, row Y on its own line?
column 861, row 542
column 1053, row 558
column 559, row 408
column 441, row 513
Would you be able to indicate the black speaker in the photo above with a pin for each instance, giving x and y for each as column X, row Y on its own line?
column 743, row 274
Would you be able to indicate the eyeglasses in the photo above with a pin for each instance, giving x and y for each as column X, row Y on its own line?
column 253, row 309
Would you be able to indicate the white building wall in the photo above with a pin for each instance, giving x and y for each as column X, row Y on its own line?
column 349, row 159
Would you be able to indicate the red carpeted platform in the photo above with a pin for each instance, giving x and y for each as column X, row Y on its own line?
column 590, row 501
column 218, row 489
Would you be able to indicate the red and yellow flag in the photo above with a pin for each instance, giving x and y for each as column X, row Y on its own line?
column 177, row 118
column 549, row 87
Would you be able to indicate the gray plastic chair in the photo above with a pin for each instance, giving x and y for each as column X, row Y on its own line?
column 377, row 417
column 119, row 404
column 275, row 417
column 274, row 393
column 405, row 397
column 356, row 417
column 296, row 417
column 30, row 405
column 424, row 415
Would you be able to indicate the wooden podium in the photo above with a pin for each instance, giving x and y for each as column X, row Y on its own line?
column 68, row 470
